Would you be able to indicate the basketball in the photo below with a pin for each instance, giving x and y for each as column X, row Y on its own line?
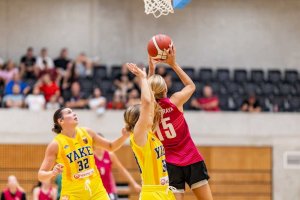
column 158, row 46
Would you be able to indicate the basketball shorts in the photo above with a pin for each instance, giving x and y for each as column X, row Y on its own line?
column 195, row 175
column 156, row 192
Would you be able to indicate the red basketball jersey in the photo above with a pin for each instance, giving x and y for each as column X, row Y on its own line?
column 175, row 135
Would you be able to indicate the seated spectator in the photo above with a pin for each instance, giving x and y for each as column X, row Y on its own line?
column 62, row 64
column 251, row 104
column 17, row 80
column 78, row 99
column 208, row 102
column 117, row 103
column 48, row 87
column 8, row 71
column 123, row 82
column 83, row 66
column 97, row 102
column 44, row 60
column 13, row 191
column 27, row 65
column 35, row 101
column 53, row 103
column 51, row 71
column 133, row 98
column 14, row 100
column 44, row 191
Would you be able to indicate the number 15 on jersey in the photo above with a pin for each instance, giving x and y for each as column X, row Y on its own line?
column 167, row 128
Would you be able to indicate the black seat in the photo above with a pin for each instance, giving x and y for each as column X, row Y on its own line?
column 269, row 89
column 205, row 75
column 224, row 102
column 291, row 76
column 86, row 85
column 100, row 72
column 106, row 86
column 286, row 89
column 176, row 86
column 274, row 76
column 240, row 75
column 233, row 88
column 222, row 75
column 115, row 71
column 251, row 88
column 257, row 76
column 190, row 71
column 294, row 104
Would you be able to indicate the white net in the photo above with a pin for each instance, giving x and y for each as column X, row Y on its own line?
column 158, row 7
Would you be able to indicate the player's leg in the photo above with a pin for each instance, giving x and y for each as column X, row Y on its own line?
column 176, row 180
column 197, row 177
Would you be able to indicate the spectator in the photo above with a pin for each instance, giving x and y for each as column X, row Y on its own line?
column 17, row 80
column 133, row 98
column 13, row 190
column 15, row 100
column 83, row 66
column 27, row 65
column 53, row 103
column 35, row 101
column 48, row 87
column 251, row 104
column 97, row 102
column 44, row 61
column 62, row 64
column 208, row 102
column 77, row 99
column 8, row 71
column 116, row 103
column 44, row 191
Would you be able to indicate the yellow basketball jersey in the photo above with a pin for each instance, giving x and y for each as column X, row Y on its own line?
column 76, row 154
column 151, row 160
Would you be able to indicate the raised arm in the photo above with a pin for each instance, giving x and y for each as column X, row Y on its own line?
column 145, row 120
column 152, row 64
column 46, row 172
column 181, row 97
column 106, row 144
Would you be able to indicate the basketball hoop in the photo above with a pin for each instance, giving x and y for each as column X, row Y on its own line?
column 158, row 7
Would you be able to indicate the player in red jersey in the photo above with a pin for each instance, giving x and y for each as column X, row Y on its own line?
column 185, row 164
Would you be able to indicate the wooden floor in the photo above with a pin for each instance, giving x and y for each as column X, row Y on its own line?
column 237, row 173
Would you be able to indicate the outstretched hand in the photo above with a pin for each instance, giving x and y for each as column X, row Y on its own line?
column 136, row 70
column 57, row 169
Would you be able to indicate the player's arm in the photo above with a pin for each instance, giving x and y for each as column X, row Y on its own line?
column 36, row 193
column 106, row 144
column 145, row 120
column 54, row 194
column 181, row 97
column 47, row 171
column 125, row 173
column 152, row 64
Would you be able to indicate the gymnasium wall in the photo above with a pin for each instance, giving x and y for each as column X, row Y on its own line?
column 233, row 33
column 278, row 132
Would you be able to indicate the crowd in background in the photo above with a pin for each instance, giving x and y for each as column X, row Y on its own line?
column 39, row 82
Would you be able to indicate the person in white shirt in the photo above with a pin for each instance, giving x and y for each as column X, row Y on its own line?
column 44, row 58
column 35, row 101
column 97, row 102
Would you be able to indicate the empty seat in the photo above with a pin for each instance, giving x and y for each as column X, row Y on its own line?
column 240, row 75
column 224, row 102
column 205, row 75
column 115, row 71
column 294, row 104
column 268, row 89
column 176, row 86
column 106, row 86
column 251, row 88
column 100, row 72
column 286, row 89
column 222, row 75
column 233, row 88
column 291, row 76
column 257, row 76
column 86, row 85
column 190, row 71
column 274, row 76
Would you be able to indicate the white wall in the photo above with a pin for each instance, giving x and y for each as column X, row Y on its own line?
column 280, row 131
column 256, row 33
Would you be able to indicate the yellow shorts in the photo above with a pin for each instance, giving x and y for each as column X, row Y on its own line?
column 156, row 192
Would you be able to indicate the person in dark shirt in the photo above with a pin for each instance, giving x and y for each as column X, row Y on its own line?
column 27, row 65
column 62, row 63
column 251, row 104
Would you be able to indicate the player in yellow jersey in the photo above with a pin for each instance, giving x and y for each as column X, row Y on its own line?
column 148, row 150
column 71, row 153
